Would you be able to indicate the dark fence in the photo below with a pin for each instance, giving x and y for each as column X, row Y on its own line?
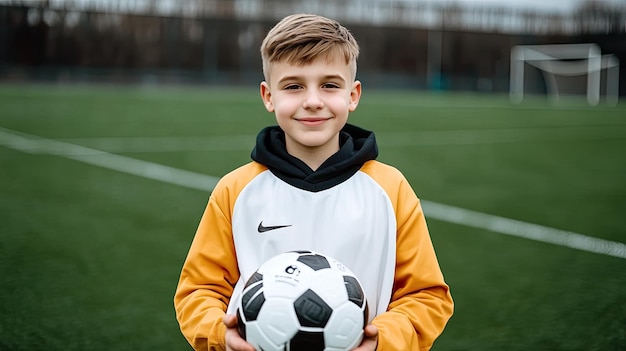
column 57, row 45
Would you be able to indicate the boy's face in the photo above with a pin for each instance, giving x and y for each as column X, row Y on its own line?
column 311, row 103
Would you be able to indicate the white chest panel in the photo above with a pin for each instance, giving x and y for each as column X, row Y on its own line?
column 353, row 222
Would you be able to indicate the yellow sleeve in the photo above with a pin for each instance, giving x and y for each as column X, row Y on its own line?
column 210, row 271
column 421, row 303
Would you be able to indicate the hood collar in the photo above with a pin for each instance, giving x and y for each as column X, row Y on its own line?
column 356, row 146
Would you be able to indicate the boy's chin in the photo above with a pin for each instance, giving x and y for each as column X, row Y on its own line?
column 316, row 140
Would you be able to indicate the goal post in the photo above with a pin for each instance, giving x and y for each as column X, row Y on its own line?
column 566, row 60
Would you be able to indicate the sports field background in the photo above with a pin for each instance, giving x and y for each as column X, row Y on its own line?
column 90, row 256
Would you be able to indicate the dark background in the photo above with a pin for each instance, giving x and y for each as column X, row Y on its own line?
column 40, row 42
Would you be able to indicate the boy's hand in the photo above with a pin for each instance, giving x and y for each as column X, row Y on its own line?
column 370, row 339
column 234, row 341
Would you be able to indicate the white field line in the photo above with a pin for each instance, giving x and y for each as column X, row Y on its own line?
column 501, row 136
column 555, row 106
column 167, row 144
column 397, row 139
column 37, row 145
column 521, row 229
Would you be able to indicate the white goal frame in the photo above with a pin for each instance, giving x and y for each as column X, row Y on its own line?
column 565, row 60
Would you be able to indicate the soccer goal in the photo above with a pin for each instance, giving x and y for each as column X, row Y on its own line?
column 567, row 69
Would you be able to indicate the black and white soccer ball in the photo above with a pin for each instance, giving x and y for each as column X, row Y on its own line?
column 303, row 301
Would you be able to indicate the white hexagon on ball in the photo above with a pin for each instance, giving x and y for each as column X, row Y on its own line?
column 278, row 322
column 344, row 330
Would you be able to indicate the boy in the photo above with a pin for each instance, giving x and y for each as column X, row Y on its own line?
column 314, row 184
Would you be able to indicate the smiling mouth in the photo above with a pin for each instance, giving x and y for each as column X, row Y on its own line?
column 312, row 121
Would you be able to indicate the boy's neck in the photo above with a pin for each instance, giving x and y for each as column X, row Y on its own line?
column 313, row 156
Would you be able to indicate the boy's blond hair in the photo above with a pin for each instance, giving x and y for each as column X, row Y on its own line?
column 302, row 38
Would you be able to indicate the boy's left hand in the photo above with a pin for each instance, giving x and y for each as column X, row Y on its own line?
column 370, row 339
column 234, row 341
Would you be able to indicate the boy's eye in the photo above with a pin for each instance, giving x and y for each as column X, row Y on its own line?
column 292, row 87
column 330, row 86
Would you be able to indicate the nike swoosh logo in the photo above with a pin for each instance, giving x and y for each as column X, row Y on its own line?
column 263, row 229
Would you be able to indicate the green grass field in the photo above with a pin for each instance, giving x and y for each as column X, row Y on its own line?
column 90, row 256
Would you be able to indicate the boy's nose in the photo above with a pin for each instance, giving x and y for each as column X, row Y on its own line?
column 313, row 101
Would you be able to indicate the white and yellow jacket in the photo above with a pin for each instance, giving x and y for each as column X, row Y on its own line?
column 355, row 209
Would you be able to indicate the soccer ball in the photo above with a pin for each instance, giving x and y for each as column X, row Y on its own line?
column 304, row 301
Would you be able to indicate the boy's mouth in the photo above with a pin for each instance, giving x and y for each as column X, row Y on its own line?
column 313, row 121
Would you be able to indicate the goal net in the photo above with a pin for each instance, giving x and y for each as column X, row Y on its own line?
column 566, row 69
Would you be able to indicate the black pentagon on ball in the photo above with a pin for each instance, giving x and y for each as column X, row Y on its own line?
column 307, row 341
column 355, row 292
column 356, row 295
column 315, row 261
column 311, row 310
column 241, row 326
column 366, row 314
column 252, row 301
column 256, row 277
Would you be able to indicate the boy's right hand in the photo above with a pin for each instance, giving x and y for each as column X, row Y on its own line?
column 234, row 341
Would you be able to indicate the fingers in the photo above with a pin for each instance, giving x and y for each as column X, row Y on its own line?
column 371, row 331
column 238, row 345
column 370, row 339
column 230, row 320
column 234, row 341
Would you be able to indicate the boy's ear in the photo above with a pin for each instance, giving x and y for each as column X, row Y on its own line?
column 266, row 96
column 355, row 95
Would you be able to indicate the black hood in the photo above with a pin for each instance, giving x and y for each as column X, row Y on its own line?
column 356, row 146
